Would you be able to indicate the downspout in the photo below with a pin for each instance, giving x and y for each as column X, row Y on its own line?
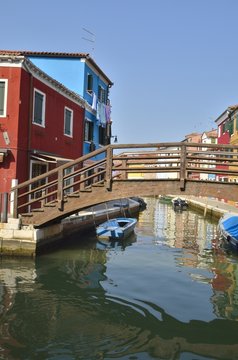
column 30, row 109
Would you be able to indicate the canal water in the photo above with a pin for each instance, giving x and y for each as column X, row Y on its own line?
column 168, row 292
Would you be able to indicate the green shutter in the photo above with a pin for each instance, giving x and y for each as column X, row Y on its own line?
column 67, row 122
column 2, row 97
column 38, row 108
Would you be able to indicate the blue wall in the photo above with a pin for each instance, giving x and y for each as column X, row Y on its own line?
column 68, row 71
column 73, row 73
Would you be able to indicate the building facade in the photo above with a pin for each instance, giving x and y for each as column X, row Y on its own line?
column 81, row 74
column 41, row 121
column 54, row 107
column 227, row 125
column 208, row 137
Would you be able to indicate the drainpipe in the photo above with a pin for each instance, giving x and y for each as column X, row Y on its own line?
column 29, row 119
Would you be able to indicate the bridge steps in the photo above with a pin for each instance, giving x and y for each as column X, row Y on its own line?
column 50, row 204
column 73, row 195
column 48, row 210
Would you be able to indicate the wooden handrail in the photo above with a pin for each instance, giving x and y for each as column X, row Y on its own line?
column 181, row 158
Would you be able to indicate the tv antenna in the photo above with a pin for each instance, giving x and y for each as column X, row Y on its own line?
column 90, row 37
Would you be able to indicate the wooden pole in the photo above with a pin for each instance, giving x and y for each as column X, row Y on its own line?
column 182, row 167
column 109, row 169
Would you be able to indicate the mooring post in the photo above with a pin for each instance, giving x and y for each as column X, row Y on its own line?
column 4, row 207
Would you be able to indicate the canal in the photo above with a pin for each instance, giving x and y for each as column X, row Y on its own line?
column 168, row 292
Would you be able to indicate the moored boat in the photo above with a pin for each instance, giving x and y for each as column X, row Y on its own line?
column 179, row 204
column 118, row 228
column 165, row 199
column 228, row 228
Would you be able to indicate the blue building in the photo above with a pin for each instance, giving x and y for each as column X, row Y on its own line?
column 80, row 74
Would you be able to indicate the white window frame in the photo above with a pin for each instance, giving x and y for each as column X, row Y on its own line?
column 102, row 94
column 43, row 108
column 5, row 98
column 71, row 122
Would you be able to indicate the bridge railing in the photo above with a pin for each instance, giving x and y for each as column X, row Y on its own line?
column 53, row 186
column 158, row 161
column 183, row 161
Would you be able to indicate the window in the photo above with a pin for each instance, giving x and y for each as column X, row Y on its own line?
column 3, row 97
column 103, row 139
column 69, row 180
column 68, row 122
column 102, row 95
column 88, row 130
column 39, row 108
column 90, row 84
column 223, row 127
column 229, row 126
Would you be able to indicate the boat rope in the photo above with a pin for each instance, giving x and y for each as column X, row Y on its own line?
column 123, row 209
column 94, row 220
column 107, row 211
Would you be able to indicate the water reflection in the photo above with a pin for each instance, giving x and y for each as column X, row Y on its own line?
column 167, row 293
column 116, row 244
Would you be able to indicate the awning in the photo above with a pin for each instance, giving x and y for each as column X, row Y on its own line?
column 50, row 158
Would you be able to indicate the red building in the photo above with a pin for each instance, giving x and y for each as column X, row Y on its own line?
column 41, row 122
column 225, row 131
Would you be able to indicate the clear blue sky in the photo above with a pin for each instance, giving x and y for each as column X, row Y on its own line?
column 174, row 63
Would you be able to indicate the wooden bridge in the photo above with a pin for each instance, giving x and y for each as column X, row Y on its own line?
column 125, row 171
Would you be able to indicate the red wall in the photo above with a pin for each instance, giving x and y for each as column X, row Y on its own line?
column 51, row 138
column 25, row 136
column 10, row 124
column 224, row 139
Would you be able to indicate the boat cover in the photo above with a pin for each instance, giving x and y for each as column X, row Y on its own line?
column 230, row 225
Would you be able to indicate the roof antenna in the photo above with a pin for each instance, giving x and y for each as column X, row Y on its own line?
column 91, row 38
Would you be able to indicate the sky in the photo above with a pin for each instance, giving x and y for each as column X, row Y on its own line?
column 173, row 63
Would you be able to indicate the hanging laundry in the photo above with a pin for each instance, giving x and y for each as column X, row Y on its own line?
column 94, row 103
column 103, row 115
column 98, row 110
column 108, row 113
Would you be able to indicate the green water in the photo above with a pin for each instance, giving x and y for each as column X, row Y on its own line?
column 169, row 292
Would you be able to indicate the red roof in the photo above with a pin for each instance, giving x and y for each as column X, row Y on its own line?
column 55, row 54
column 42, row 53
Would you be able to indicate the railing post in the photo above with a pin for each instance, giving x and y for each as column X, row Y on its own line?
column 60, row 193
column 82, row 185
column 109, row 169
column 124, row 175
column 183, row 161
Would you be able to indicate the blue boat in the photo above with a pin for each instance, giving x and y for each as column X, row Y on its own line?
column 228, row 227
column 118, row 228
